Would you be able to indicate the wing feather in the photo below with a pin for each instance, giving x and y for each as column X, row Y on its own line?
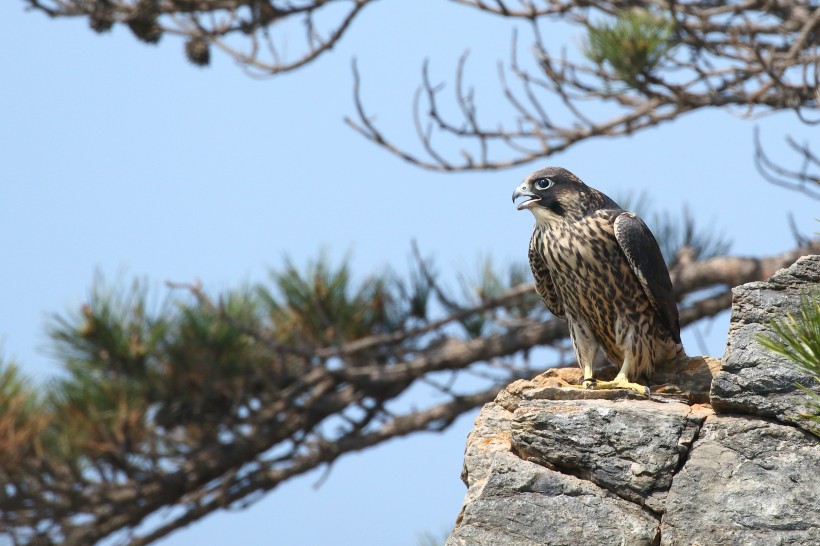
column 543, row 279
column 645, row 258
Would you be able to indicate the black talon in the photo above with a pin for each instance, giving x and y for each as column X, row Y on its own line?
column 589, row 382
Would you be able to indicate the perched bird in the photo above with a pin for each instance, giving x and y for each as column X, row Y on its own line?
column 600, row 268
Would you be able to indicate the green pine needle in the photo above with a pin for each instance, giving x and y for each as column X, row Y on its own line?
column 22, row 418
column 321, row 305
column 797, row 338
column 631, row 46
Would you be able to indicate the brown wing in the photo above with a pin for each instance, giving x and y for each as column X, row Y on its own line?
column 543, row 280
column 645, row 258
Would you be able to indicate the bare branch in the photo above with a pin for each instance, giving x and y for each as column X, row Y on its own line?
column 523, row 9
column 806, row 180
column 752, row 56
column 246, row 30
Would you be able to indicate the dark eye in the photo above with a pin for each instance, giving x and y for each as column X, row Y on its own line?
column 543, row 183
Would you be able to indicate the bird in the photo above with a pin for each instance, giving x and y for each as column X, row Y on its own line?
column 600, row 268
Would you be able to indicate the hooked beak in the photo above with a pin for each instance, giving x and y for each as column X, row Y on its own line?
column 524, row 191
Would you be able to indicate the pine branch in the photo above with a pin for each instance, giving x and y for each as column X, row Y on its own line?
column 187, row 406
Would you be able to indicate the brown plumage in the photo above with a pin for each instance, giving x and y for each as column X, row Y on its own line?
column 600, row 268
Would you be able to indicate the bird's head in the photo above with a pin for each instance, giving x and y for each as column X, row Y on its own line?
column 553, row 194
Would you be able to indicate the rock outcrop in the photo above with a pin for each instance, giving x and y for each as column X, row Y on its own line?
column 748, row 481
column 752, row 380
column 550, row 465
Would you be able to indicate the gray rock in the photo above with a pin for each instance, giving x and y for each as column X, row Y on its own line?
column 524, row 504
column 752, row 380
column 747, row 481
column 510, row 501
column 565, row 472
column 551, row 465
column 490, row 435
column 629, row 448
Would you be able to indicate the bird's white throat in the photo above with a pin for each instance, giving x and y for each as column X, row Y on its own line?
column 545, row 217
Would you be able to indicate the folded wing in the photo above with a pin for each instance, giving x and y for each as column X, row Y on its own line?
column 645, row 258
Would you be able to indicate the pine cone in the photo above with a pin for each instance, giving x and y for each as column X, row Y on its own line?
column 198, row 51
column 102, row 18
column 143, row 23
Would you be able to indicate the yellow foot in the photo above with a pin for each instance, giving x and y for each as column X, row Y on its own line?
column 618, row 383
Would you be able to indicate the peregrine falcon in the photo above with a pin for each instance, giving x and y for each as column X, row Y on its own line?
column 600, row 268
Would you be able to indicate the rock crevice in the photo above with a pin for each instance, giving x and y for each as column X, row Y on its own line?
column 551, row 465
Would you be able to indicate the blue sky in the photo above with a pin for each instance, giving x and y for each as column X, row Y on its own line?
column 123, row 158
